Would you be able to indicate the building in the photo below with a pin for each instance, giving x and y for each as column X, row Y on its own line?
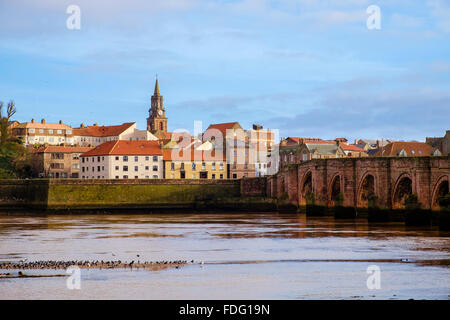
column 441, row 143
column 57, row 161
column 95, row 135
column 247, row 152
column 40, row 133
column 407, row 149
column 192, row 163
column 298, row 149
column 123, row 159
column 157, row 121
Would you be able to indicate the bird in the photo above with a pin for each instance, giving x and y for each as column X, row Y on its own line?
column 137, row 255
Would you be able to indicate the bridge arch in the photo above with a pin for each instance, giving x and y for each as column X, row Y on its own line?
column 306, row 186
column 402, row 190
column 366, row 189
column 441, row 188
column 334, row 188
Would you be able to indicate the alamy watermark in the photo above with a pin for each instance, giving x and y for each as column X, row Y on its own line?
column 74, row 281
column 73, row 22
column 374, row 20
column 374, row 280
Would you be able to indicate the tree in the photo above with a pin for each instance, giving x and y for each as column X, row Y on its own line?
column 14, row 160
column 4, row 121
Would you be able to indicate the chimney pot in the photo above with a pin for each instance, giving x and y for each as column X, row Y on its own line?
column 60, row 122
column 43, row 121
column 32, row 120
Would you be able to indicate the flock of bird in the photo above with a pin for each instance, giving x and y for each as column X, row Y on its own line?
column 99, row 264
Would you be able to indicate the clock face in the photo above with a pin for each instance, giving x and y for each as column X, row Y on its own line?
column 160, row 112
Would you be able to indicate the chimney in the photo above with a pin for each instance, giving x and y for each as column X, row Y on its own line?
column 378, row 143
column 95, row 124
column 32, row 120
column 60, row 122
column 43, row 121
column 82, row 125
column 356, row 141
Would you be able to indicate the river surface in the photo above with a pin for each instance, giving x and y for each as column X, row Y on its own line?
column 245, row 256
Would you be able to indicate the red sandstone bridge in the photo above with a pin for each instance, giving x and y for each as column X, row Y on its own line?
column 354, row 181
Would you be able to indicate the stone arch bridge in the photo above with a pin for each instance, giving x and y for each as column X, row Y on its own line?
column 354, row 182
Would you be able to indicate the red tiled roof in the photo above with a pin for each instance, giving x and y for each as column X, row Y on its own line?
column 417, row 149
column 351, row 147
column 300, row 140
column 62, row 149
column 125, row 147
column 223, row 127
column 102, row 131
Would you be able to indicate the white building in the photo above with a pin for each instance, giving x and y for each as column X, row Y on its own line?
column 123, row 159
column 96, row 135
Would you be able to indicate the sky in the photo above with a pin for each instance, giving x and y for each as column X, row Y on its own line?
column 308, row 68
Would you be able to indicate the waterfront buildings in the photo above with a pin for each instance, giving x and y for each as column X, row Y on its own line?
column 192, row 163
column 123, row 159
column 96, row 135
column 33, row 133
column 57, row 161
column 441, row 143
column 407, row 149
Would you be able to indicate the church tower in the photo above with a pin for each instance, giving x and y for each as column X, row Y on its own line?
column 157, row 121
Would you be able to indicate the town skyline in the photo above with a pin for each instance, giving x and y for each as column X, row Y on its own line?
column 327, row 76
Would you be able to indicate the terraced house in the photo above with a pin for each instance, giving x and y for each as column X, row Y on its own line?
column 57, row 161
column 123, row 159
column 32, row 133
column 193, row 163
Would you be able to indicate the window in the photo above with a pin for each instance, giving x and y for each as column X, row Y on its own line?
column 203, row 166
column 125, row 177
column 246, row 166
column 136, row 158
column 155, row 177
column 193, row 176
column 213, row 176
column 136, row 177
column 155, row 168
column 76, row 166
column 117, row 167
column 93, row 169
column 125, row 168
column 221, row 166
column 117, row 158
column 136, row 168
column 98, row 159
column 51, row 139
column 50, row 131
column 82, row 169
column 31, row 130
column 69, row 131
column 125, row 158
column 234, row 176
column 41, row 130
column 117, row 177
column 213, row 166
column 98, row 168
column 172, row 166
column 147, row 168
column 155, row 158
column 182, row 166
column 147, row 158
column 221, row 176
column 193, row 166
column 172, row 176
column 59, row 131
column 103, row 168
column 103, row 158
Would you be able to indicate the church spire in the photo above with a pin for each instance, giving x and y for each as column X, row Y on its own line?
column 157, row 94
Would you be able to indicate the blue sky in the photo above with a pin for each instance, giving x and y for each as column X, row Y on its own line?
column 305, row 67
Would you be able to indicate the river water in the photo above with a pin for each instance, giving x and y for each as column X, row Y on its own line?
column 246, row 256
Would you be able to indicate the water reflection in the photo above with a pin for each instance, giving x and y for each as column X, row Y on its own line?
column 282, row 249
